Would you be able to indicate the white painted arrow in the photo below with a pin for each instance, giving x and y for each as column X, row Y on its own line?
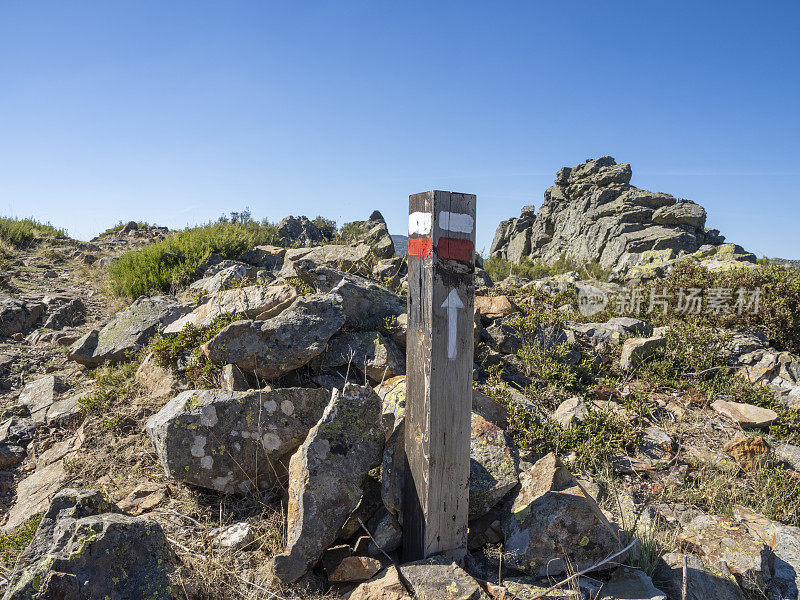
column 452, row 304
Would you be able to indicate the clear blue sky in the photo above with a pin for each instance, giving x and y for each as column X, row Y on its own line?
column 175, row 111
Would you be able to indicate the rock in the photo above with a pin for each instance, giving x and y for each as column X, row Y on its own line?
column 745, row 415
column 630, row 584
column 494, row 307
column 342, row 567
column 439, row 578
column 326, row 474
column 390, row 271
column 374, row 233
column 385, row 586
column 722, row 541
column 17, row 431
column 35, row 492
column 251, row 302
column 222, row 276
column 551, row 524
column 281, row 344
column 594, row 215
column 265, row 257
column 788, row 455
column 11, row 456
column 85, row 549
column 748, row 452
column 227, row 441
column 656, row 445
column 637, row 350
column 233, row 379
column 71, row 313
column 157, row 380
column 571, row 412
column 368, row 351
column 386, row 531
column 18, row 315
column 43, row 399
column 492, row 466
column 356, row 258
column 129, row 330
column 784, row 541
column 299, row 231
column 233, row 537
column 703, row 582
column 506, row 339
column 367, row 305
column 145, row 497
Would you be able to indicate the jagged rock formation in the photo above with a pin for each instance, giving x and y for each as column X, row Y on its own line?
column 593, row 214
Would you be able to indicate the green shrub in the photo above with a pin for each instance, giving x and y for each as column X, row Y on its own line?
column 350, row 233
column 173, row 262
column 22, row 233
column 601, row 436
column 779, row 300
column 327, row 227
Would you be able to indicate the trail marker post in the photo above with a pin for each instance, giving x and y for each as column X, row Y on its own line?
column 439, row 349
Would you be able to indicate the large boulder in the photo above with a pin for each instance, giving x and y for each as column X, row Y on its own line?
column 703, row 582
column 72, row 312
column 231, row 441
column 283, row 343
column 253, row 301
column 326, row 476
column 552, row 524
column 128, row 331
column 18, row 315
column 46, row 402
column 593, row 215
column 372, row 232
column 354, row 258
column 84, row 548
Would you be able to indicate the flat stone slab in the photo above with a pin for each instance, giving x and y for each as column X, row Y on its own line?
column 745, row 415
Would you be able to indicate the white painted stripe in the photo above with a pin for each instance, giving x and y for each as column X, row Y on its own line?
column 458, row 222
column 419, row 223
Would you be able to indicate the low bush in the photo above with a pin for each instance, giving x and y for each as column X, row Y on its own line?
column 776, row 289
column 173, row 262
column 22, row 233
column 499, row 268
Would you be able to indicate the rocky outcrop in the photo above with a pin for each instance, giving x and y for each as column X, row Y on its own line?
column 593, row 214
column 233, row 441
column 84, row 548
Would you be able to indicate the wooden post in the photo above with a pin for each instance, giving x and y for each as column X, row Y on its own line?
column 439, row 346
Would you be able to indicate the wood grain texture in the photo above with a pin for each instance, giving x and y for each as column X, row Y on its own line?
column 438, row 388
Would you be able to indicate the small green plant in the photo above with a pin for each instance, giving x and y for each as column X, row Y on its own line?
column 169, row 350
column 327, row 227
column 12, row 544
column 499, row 268
column 23, row 233
column 301, row 286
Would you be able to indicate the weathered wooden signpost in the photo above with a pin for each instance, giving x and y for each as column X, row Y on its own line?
column 439, row 347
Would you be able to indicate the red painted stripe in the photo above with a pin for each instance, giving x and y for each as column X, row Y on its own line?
column 421, row 246
column 455, row 248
